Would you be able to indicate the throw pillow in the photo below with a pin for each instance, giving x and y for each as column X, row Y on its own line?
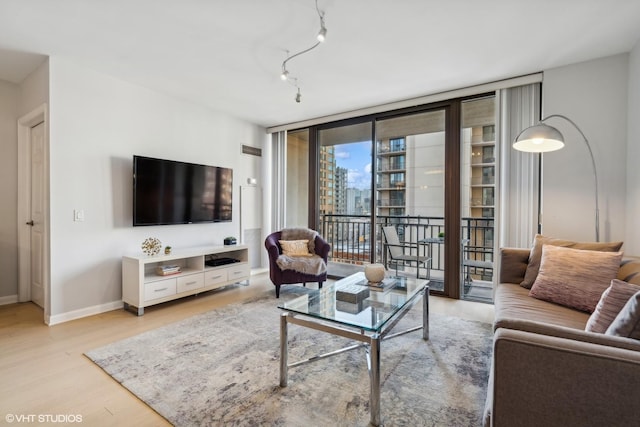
column 295, row 247
column 300, row 233
column 610, row 304
column 627, row 322
column 536, row 253
column 574, row 278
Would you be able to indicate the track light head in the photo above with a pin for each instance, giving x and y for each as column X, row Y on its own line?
column 322, row 34
column 298, row 96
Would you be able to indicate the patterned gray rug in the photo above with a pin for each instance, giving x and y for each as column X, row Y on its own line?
column 222, row 368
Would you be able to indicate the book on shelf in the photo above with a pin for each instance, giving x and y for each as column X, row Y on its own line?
column 165, row 270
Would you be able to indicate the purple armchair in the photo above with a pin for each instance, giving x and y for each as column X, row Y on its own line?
column 286, row 277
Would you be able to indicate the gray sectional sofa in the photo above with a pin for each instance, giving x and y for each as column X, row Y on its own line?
column 547, row 370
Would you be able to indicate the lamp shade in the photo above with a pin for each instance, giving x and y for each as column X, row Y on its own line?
column 539, row 138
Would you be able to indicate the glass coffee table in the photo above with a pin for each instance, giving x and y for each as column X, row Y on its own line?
column 350, row 308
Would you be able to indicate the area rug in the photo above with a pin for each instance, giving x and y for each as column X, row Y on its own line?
column 222, row 368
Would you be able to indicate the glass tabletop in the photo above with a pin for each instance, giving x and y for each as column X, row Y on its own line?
column 353, row 302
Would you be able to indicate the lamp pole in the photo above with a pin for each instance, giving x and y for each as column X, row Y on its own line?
column 593, row 164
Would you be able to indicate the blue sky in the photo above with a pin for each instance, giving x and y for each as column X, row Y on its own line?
column 356, row 158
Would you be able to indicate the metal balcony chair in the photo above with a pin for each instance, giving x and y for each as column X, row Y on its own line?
column 470, row 264
column 405, row 253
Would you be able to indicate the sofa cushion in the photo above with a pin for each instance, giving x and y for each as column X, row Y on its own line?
column 627, row 322
column 574, row 278
column 611, row 303
column 513, row 302
column 536, row 253
column 513, row 264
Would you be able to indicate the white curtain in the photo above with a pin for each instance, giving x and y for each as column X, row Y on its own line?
column 278, row 187
column 519, row 172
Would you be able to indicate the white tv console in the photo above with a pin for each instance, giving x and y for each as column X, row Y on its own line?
column 142, row 286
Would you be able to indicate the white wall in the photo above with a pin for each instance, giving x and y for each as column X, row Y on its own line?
column 34, row 89
column 594, row 95
column 97, row 123
column 632, row 238
column 9, row 101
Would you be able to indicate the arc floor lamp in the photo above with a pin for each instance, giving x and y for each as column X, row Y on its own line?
column 542, row 138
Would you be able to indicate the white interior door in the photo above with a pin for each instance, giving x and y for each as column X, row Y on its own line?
column 37, row 221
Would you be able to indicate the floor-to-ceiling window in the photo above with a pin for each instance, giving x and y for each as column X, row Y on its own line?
column 429, row 171
column 479, row 196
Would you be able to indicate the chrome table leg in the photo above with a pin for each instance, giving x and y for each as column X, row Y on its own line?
column 284, row 353
column 374, row 376
column 425, row 313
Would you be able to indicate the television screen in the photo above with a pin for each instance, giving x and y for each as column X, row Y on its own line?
column 170, row 192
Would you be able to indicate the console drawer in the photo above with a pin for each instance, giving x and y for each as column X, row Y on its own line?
column 215, row 277
column 193, row 281
column 159, row 289
column 239, row 272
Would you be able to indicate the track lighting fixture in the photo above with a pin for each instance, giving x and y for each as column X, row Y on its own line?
column 322, row 35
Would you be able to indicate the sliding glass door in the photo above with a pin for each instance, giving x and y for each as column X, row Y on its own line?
column 410, row 186
column 399, row 181
column 344, row 194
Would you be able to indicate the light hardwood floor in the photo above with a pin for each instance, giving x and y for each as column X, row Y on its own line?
column 43, row 369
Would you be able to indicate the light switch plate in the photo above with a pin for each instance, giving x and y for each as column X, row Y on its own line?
column 78, row 215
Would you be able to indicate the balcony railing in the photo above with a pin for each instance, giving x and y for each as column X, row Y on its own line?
column 391, row 185
column 393, row 167
column 391, row 202
column 394, row 148
column 349, row 236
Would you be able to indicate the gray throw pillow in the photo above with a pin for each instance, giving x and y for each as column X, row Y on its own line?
column 611, row 303
column 627, row 322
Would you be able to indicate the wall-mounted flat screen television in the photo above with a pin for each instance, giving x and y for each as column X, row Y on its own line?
column 169, row 192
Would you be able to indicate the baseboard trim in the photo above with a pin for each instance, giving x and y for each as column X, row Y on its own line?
column 83, row 312
column 9, row 299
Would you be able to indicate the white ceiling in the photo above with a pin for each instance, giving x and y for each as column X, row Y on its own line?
column 227, row 55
